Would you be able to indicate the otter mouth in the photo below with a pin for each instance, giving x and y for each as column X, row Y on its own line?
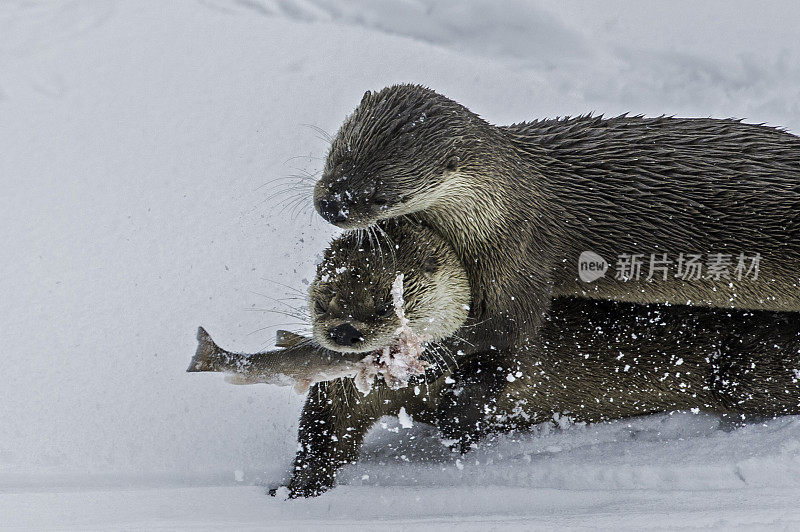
column 350, row 337
column 354, row 210
column 381, row 201
column 358, row 216
column 363, row 345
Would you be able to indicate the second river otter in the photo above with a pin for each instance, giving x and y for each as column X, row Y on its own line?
column 521, row 203
column 603, row 360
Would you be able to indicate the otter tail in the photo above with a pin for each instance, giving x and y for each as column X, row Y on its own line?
column 207, row 356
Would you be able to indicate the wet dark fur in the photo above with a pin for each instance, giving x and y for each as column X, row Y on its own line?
column 523, row 201
column 603, row 360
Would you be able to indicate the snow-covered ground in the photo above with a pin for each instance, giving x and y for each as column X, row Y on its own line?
column 140, row 142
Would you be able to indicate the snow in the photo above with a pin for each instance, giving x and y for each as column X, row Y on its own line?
column 404, row 418
column 141, row 142
column 660, row 472
column 401, row 360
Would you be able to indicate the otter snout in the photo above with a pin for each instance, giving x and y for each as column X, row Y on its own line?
column 345, row 201
column 332, row 208
column 346, row 335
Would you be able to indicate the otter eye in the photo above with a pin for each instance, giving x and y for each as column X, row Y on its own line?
column 451, row 164
column 430, row 264
column 321, row 307
column 384, row 310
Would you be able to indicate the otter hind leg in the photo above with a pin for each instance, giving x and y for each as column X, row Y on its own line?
column 759, row 372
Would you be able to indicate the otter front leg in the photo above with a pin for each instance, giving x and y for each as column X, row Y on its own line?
column 334, row 421
column 469, row 401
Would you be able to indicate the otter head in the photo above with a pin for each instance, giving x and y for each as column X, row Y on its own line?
column 351, row 301
column 395, row 154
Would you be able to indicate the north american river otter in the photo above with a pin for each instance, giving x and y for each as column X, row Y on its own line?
column 521, row 203
column 696, row 211
column 349, row 314
column 603, row 360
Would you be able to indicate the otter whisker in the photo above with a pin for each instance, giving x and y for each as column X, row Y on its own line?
column 289, row 204
column 305, row 330
column 274, row 325
column 451, row 356
column 288, row 287
column 304, row 319
column 372, row 246
column 274, row 311
column 306, row 175
column 474, row 324
column 303, row 189
column 436, row 359
column 271, row 197
column 344, row 391
column 282, row 178
column 427, row 386
column 440, row 368
column 463, row 340
column 442, row 352
column 273, row 299
column 379, row 231
column 298, row 181
column 309, row 157
column 291, row 189
column 360, row 242
column 378, row 246
column 301, row 207
column 298, row 207
column 439, row 350
column 376, row 231
column 290, row 200
column 327, row 137
column 371, row 243
column 298, row 198
column 305, row 179
column 301, row 332
column 292, row 298
column 286, row 194
column 300, row 211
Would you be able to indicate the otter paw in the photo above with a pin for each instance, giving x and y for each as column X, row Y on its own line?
column 461, row 416
column 280, row 492
column 467, row 405
column 298, row 491
column 305, row 487
column 308, row 491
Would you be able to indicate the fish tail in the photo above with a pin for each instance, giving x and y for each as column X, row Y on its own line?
column 206, row 357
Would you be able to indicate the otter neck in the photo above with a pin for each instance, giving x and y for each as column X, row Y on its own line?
column 505, row 248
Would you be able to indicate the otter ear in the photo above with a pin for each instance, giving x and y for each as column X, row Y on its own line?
column 452, row 163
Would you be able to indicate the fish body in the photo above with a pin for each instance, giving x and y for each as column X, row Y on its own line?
column 298, row 362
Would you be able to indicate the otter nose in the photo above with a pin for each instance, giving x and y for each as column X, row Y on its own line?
column 332, row 209
column 345, row 334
